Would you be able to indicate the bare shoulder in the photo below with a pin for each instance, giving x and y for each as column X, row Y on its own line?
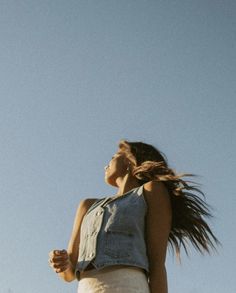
column 82, row 209
column 85, row 204
column 156, row 191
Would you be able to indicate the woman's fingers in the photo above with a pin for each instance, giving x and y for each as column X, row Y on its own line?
column 59, row 267
column 62, row 269
column 56, row 261
column 57, row 253
column 59, row 260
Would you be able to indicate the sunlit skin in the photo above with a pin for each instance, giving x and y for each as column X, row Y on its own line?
column 118, row 173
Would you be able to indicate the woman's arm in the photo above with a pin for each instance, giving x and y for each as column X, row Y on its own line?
column 64, row 262
column 158, row 227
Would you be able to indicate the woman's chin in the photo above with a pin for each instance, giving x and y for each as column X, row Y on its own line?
column 109, row 181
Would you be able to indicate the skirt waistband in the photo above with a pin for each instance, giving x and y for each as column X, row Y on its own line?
column 112, row 279
column 109, row 269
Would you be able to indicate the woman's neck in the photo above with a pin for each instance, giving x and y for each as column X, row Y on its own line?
column 126, row 184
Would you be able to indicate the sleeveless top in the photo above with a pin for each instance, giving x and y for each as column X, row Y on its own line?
column 113, row 232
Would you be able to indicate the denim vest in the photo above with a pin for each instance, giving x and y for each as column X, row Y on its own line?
column 113, row 232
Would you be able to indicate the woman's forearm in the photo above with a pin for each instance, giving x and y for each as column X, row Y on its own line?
column 158, row 280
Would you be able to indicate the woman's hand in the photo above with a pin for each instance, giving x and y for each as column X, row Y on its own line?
column 59, row 260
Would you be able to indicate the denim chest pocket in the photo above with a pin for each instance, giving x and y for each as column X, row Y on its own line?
column 118, row 244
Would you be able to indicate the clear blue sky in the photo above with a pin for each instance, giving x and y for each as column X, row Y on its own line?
column 78, row 76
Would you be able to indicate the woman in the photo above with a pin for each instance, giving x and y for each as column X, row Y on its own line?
column 119, row 243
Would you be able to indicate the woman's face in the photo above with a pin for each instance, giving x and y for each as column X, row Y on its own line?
column 116, row 168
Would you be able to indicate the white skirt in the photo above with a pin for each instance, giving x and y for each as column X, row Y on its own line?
column 112, row 279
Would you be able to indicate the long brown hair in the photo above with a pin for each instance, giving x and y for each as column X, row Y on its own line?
column 189, row 208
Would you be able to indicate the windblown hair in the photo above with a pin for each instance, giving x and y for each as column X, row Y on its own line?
column 189, row 210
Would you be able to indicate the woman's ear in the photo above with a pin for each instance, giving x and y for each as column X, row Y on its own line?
column 129, row 166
